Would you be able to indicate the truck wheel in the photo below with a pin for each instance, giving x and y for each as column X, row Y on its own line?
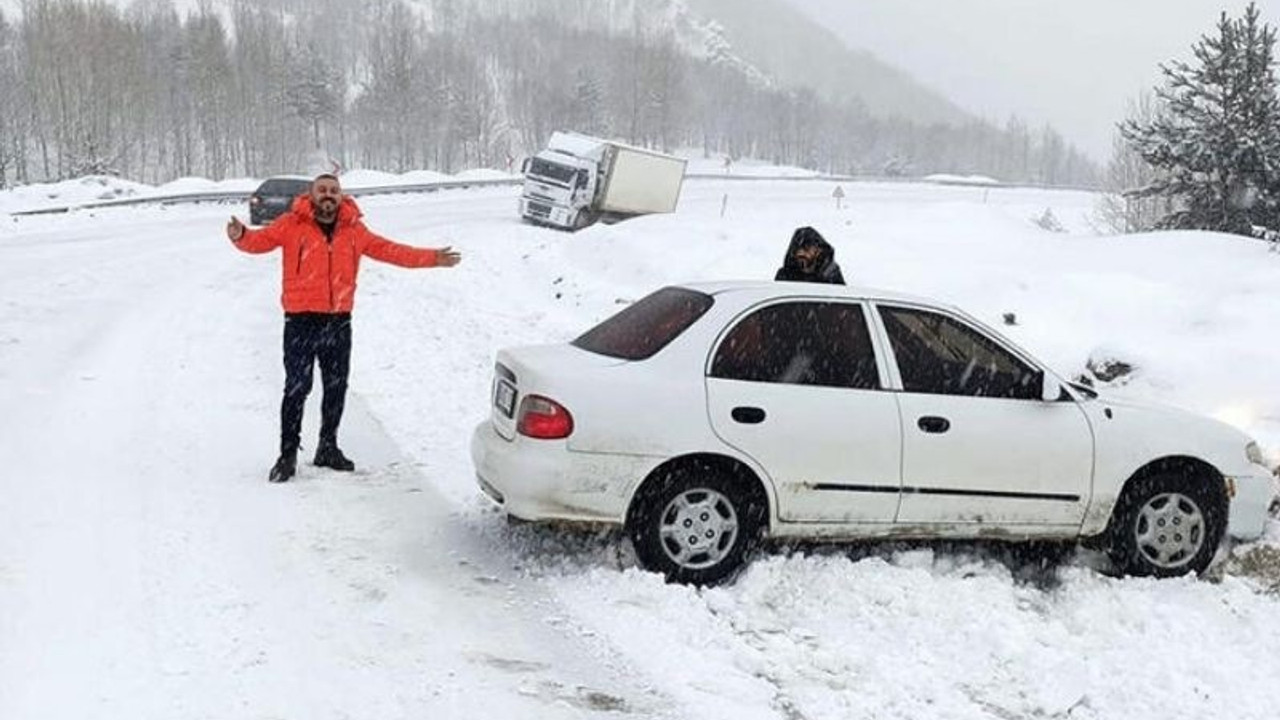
column 696, row 527
column 1167, row 525
column 583, row 219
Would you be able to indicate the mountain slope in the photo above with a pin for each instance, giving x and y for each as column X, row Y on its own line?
column 796, row 51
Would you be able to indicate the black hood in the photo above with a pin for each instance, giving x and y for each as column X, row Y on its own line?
column 804, row 237
column 824, row 267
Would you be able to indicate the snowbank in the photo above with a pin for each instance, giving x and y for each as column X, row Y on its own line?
column 196, row 185
column 484, row 174
column 368, row 178
column 746, row 167
column 97, row 188
column 944, row 179
column 69, row 192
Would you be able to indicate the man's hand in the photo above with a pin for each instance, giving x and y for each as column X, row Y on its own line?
column 235, row 229
column 447, row 256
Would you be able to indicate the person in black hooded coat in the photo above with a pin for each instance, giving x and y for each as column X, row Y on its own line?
column 810, row 258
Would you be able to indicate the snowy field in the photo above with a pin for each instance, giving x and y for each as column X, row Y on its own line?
column 147, row 570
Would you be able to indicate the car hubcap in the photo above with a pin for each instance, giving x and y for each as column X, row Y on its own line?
column 1169, row 530
column 697, row 528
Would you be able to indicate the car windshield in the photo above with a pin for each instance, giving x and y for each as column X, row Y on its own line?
column 283, row 188
column 647, row 326
column 553, row 171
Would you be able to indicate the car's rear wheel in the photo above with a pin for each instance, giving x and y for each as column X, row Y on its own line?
column 1168, row 524
column 696, row 526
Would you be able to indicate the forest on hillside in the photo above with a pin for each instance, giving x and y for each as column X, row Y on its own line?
column 249, row 89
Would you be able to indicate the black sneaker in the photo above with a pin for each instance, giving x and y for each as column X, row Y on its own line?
column 284, row 468
column 331, row 457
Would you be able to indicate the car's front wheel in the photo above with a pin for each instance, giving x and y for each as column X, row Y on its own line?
column 1168, row 524
column 696, row 527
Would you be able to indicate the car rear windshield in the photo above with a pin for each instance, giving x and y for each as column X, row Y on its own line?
column 647, row 326
column 283, row 188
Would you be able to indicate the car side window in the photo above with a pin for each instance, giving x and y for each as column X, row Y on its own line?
column 939, row 355
column 800, row 343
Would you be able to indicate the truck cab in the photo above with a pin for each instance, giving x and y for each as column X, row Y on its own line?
column 559, row 189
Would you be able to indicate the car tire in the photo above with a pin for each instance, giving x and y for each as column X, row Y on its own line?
column 697, row 525
column 1167, row 525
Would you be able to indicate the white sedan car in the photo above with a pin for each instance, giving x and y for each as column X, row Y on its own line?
column 705, row 416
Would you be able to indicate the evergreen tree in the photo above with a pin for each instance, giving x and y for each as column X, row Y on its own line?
column 1217, row 145
column 1127, row 207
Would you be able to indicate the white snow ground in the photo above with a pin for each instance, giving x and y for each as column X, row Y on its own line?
column 147, row 570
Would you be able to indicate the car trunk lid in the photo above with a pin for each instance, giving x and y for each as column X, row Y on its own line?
column 536, row 370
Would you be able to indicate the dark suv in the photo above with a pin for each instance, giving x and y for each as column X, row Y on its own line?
column 274, row 196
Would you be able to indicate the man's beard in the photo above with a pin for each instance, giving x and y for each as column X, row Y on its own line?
column 326, row 210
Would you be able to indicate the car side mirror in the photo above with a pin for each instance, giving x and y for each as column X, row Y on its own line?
column 1050, row 388
column 524, row 166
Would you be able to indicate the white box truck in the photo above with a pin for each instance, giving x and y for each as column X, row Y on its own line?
column 578, row 180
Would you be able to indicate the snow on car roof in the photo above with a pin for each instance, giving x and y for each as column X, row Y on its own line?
column 773, row 288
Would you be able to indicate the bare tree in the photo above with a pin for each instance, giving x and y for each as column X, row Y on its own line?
column 11, row 116
column 209, row 88
column 314, row 92
column 1128, row 207
column 153, row 94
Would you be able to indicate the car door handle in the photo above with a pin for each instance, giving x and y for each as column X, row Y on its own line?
column 934, row 424
column 748, row 415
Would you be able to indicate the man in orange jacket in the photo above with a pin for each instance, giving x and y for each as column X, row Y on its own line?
column 323, row 239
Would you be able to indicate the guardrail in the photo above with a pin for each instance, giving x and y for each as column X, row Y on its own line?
column 899, row 179
column 241, row 196
column 722, row 176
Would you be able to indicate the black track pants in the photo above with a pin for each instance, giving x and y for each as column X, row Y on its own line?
column 309, row 337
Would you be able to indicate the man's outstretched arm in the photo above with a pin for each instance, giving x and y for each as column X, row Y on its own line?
column 389, row 251
column 252, row 241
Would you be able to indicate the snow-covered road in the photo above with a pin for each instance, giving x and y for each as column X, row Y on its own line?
column 147, row 570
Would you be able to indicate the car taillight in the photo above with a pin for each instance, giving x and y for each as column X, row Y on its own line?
column 543, row 418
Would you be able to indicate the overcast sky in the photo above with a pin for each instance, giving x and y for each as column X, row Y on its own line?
column 1074, row 63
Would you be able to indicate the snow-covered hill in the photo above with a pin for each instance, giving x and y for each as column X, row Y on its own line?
column 147, row 570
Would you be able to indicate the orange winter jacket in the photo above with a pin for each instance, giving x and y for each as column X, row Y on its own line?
column 320, row 274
